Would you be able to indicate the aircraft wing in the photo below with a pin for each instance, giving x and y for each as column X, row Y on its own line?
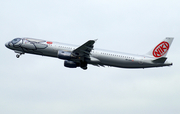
column 85, row 49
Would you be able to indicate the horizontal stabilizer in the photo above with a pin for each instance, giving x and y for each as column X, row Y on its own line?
column 160, row 60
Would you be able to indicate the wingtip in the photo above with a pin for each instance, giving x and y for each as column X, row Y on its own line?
column 95, row 40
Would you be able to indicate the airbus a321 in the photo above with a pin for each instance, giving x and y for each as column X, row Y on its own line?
column 81, row 56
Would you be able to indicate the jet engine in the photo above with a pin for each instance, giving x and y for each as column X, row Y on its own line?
column 70, row 64
column 64, row 55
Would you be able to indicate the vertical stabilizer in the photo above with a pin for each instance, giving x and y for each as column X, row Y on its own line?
column 161, row 49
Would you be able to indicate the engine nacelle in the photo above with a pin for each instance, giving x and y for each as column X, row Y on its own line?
column 70, row 64
column 64, row 55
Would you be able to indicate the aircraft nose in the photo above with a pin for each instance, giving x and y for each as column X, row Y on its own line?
column 6, row 44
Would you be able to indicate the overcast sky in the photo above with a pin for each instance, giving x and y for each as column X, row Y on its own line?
column 42, row 85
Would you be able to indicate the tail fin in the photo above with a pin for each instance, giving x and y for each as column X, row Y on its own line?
column 161, row 49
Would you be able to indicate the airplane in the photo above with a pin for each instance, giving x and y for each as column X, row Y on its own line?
column 81, row 56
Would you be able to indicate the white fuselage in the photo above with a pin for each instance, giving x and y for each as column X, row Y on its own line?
column 97, row 57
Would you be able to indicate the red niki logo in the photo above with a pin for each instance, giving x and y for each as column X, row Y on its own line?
column 49, row 42
column 161, row 49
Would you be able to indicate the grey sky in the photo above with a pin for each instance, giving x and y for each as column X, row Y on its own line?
column 42, row 85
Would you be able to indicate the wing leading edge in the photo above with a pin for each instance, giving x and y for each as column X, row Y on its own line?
column 85, row 49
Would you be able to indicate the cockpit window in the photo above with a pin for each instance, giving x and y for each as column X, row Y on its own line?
column 16, row 40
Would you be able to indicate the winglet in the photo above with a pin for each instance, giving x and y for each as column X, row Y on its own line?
column 95, row 40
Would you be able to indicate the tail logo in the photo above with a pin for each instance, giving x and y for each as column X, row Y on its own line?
column 161, row 49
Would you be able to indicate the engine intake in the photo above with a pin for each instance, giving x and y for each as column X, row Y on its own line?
column 70, row 64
